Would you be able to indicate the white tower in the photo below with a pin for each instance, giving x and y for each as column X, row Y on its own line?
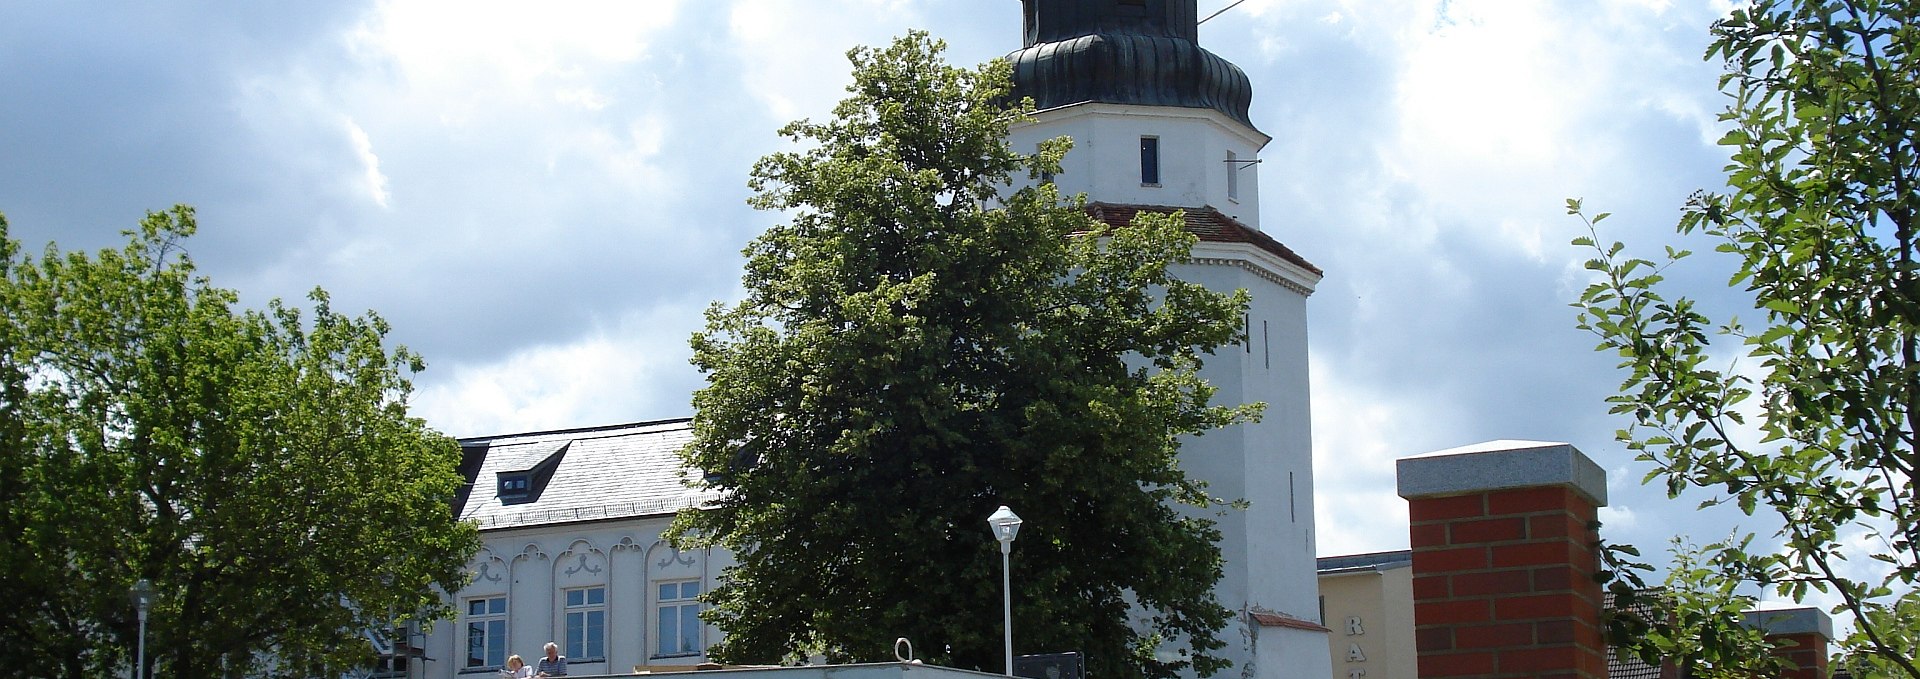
column 1160, row 124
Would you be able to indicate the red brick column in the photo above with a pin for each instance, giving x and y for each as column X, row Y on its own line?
column 1503, row 561
column 1806, row 631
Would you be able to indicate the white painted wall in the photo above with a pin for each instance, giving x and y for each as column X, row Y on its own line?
column 532, row 566
column 1105, row 160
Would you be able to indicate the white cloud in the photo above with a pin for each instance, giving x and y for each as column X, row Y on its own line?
column 792, row 53
column 1618, row 518
column 376, row 183
column 597, row 378
column 1358, row 434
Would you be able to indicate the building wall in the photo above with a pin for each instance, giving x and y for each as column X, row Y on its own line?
column 1371, row 614
column 1194, row 143
column 533, row 568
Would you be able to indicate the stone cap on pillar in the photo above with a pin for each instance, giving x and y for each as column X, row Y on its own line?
column 1790, row 621
column 1501, row 465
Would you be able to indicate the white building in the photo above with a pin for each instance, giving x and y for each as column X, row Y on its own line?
column 572, row 519
column 571, row 524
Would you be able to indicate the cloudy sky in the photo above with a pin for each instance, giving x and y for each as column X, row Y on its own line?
column 542, row 197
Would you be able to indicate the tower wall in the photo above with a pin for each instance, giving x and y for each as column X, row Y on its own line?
column 1108, row 74
column 1194, row 146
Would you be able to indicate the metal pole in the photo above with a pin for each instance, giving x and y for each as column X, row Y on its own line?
column 1006, row 591
column 140, row 657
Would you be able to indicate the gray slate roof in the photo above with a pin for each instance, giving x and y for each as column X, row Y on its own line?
column 615, row 472
column 1372, row 561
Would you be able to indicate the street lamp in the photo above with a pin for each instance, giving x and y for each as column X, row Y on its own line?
column 142, row 599
column 1006, row 526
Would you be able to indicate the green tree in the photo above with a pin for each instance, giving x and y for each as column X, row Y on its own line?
column 919, row 345
column 259, row 467
column 1818, row 216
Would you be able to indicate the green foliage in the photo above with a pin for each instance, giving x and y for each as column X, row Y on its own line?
column 1697, row 619
column 915, row 349
column 259, row 467
column 1822, row 188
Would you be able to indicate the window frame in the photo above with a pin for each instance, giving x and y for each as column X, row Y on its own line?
column 581, row 621
column 1149, row 160
column 514, row 486
column 492, row 620
column 683, row 605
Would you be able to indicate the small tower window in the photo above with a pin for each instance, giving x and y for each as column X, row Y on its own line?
column 1233, row 176
column 1150, row 161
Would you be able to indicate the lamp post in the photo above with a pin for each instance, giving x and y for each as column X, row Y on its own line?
column 142, row 595
column 1006, row 526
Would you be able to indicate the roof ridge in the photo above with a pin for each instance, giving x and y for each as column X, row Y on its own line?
column 470, row 440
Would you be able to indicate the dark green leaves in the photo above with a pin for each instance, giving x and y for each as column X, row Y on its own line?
column 257, row 466
column 919, row 345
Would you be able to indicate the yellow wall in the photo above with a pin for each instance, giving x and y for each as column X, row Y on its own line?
column 1371, row 614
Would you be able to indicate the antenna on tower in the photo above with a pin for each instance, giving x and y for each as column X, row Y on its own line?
column 1223, row 10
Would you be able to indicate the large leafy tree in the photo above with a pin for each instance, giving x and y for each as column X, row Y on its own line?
column 1817, row 420
column 920, row 344
column 258, row 467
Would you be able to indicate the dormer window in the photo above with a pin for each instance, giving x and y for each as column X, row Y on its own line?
column 524, row 470
column 514, row 485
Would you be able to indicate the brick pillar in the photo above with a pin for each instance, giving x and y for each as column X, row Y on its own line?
column 1503, row 561
column 1807, row 630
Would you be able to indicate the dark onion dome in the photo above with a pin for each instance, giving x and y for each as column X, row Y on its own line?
column 1124, row 52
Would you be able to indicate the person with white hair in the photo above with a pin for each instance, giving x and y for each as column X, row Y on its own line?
column 554, row 664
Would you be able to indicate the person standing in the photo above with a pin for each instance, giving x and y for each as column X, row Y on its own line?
column 516, row 669
column 554, row 665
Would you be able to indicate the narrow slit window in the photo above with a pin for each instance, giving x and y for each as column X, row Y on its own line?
column 1266, row 345
column 1150, row 161
column 1293, row 510
column 1233, row 175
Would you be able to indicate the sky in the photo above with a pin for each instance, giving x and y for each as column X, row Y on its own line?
column 542, row 198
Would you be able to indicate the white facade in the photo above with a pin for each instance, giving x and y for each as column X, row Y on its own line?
column 576, row 557
column 1206, row 158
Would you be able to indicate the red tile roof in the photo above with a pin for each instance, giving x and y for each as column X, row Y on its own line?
column 1266, row 619
column 1205, row 222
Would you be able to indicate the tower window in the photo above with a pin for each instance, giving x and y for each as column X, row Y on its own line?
column 1233, row 176
column 1150, row 161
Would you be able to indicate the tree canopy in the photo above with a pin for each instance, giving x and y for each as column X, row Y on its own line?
column 920, row 344
column 1816, row 419
column 257, row 466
